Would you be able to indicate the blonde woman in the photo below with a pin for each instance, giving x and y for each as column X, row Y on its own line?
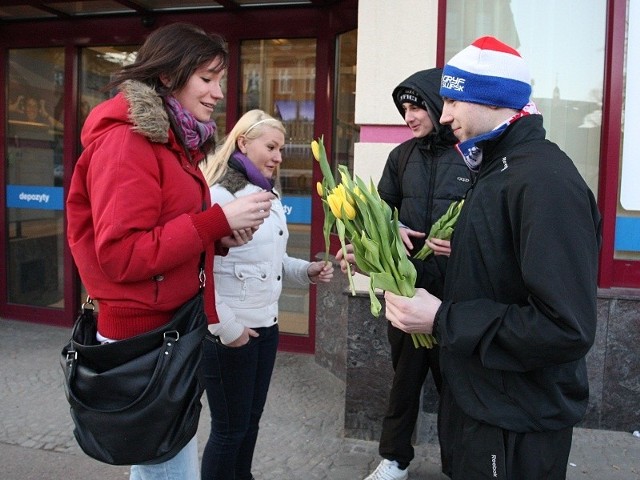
column 240, row 352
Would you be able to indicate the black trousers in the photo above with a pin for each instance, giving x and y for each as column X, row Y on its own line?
column 410, row 366
column 474, row 450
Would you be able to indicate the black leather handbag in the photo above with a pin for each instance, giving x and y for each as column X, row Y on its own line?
column 136, row 401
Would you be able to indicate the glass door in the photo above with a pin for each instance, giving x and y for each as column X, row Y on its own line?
column 97, row 65
column 33, row 186
column 278, row 76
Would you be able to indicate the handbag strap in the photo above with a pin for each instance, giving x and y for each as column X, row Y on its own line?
column 88, row 305
column 201, row 275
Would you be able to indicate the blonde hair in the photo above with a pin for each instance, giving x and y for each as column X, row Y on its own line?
column 251, row 125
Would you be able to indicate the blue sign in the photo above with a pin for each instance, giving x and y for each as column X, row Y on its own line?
column 297, row 209
column 627, row 234
column 33, row 196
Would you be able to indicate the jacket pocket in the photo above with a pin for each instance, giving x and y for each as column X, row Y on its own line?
column 246, row 283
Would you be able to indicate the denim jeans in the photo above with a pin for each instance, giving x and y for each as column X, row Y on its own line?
column 184, row 466
column 236, row 381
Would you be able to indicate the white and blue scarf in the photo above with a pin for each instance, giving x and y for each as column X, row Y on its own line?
column 469, row 149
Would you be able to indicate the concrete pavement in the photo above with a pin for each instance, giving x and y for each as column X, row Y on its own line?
column 301, row 431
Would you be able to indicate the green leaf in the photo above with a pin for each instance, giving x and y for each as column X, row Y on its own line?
column 385, row 281
column 340, row 228
column 371, row 252
column 442, row 228
column 376, row 307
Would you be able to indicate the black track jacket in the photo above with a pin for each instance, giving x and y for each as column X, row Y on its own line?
column 434, row 176
column 519, row 309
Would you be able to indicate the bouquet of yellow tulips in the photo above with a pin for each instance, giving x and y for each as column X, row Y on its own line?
column 362, row 217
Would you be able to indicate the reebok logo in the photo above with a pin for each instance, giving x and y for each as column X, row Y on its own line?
column 453, row 83
column 504, row 162
column 494, row 466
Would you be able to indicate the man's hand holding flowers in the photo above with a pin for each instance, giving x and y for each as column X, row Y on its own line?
column 413, row 315
column 439, row 246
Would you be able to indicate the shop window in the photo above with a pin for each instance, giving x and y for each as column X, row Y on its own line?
column 567, row 92
column 627, row 233
column 346, row 133
column 34, row 193
column 278, row 76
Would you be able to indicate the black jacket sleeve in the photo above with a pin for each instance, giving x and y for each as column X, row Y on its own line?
column 389, row 184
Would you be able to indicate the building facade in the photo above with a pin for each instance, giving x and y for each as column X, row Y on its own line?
column 583, row 57
column 294, row 59
column 326, row 67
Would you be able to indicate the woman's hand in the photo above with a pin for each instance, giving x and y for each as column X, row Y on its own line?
column 320, row 272
column 248, row 211
column 412, row 315
column 243, row 339
column 238, row 237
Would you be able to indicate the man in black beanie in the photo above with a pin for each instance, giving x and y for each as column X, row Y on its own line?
column 421, row 178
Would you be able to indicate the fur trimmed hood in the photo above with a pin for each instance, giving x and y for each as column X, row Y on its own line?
column 233, row 180
column 146, row 111
column 138, row 106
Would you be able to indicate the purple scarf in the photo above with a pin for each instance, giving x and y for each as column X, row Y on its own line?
column 240, row 162
column 194, row 132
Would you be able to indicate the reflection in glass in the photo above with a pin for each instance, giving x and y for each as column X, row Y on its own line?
column 346, row 133
column 278, row 76
column 34, row 196
column 627, row 238
column 568, row 93
column 97, row 65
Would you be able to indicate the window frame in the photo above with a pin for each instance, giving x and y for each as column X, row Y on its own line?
column 612, row 272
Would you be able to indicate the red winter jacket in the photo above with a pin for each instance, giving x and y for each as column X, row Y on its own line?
column 134, row 210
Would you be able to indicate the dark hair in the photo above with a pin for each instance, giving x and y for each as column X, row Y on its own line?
column 174, row 50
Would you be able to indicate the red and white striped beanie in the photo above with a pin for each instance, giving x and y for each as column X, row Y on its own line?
column 487, row 72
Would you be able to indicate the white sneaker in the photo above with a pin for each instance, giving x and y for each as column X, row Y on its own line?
column 388, row 470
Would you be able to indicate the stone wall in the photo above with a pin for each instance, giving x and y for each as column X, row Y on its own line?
column 345, row 322
column 614, row 363
column 331, row 324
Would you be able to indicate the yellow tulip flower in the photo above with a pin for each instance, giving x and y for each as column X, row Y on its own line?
column 344, row 194
column 335, row 201
column 315, row 149
column 344, row 178
column 349, row 211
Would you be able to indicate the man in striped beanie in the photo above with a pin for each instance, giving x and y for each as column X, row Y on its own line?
column 488, row 73
column 518, row 310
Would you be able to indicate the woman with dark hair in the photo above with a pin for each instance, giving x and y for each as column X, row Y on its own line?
column 139, row 210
